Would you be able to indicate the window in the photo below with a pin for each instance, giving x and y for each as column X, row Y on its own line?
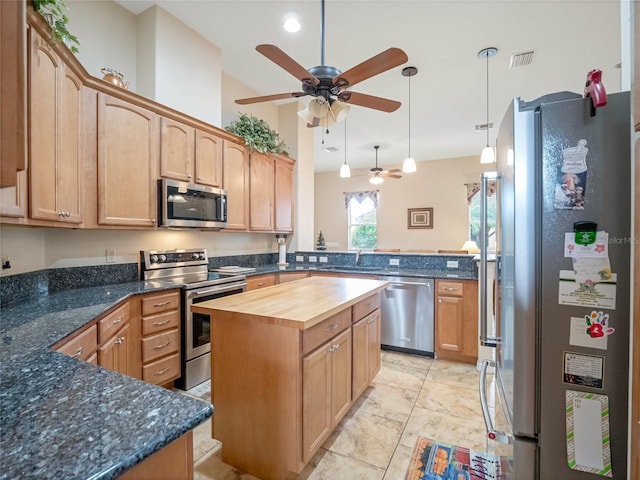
column 362, row 218
column 474, row 219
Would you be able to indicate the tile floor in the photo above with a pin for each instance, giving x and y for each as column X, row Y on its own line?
column 411, row 396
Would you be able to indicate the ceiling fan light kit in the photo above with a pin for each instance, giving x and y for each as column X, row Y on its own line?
column 488, row 152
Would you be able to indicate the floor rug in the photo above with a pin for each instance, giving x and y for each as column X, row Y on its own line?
column 202, row 391
column 433, row 460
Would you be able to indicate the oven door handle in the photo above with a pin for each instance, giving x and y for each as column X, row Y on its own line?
column 200, row 293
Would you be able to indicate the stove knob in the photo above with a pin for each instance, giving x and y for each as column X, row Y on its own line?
column 163, row 258
column 154, row 258
column 202, row 256
column 195, row 256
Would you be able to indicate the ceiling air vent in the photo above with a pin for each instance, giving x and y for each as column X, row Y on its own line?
column 330, row 149
column 521, row 59
column 484, row 126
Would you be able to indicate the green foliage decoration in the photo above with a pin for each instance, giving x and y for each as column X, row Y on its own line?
column 53, row 12
column 257, row 134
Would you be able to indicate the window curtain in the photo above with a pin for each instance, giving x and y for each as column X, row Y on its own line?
column 474, row 188
column 361, row 197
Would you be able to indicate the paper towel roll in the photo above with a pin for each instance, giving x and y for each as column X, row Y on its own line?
column 282, row 253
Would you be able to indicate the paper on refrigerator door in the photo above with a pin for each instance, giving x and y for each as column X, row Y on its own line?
column 587, row 421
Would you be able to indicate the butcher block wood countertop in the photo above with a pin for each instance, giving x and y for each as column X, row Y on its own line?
column 299, row 304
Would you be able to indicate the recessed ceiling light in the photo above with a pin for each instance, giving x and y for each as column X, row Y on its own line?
column 291, row 24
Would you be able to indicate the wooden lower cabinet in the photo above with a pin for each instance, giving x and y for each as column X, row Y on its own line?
column 326, row 396
column 366, row 351
column 115, row 354
column 173, row 462
column 456, row 320
column 82, row 344
column 291, row 276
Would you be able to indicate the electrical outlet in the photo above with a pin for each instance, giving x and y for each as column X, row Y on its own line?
column 299, row 258
column 394, row 261
column 313, row 258
column 5, row 261
column 452, row 264
column 111, row 255
column 324, row 259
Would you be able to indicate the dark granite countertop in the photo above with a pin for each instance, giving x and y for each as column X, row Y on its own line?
column 369, row 270
column 63, row 418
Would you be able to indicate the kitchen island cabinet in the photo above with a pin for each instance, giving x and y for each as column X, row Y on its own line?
column 281, row 370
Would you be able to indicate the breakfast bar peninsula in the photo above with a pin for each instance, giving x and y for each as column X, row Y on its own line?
column 287, row 363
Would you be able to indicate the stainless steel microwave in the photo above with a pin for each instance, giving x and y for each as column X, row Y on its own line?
column 189, row 205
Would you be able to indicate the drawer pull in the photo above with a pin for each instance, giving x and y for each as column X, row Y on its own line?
column 439, row 300
column 164, row 322
column 261, row 284
column 331, row 327
column 371, row 320
column 78, row 353
column 334, row 347
column 161, row 346
column 117, row 320
column 119, row 340
column 162, row 372
column 162, row 304
column 450, row 289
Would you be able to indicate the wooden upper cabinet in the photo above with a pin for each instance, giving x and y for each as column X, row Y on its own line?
column 128, row 138
column 235, row 160
column 208, row 157
column 284, row 194
column 177, row 142
column 262, row 199
column 55, row 132
column 13, row 96
column 189, row 154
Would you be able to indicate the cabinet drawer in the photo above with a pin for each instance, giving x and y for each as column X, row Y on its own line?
column 326, row 329
column 159, row 345
column 113, row 322
column 163, row 370
column 366, row 306
column 83, row 345
column 261, row 281
column 450, row 289
column 160, row 322
column 152, row 304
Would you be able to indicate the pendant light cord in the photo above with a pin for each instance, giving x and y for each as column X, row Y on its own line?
column 409, row 115
column 487, row 56
column 345, row 141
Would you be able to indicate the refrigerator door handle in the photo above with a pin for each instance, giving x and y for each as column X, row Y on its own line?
column 485, row 339
column 492, row 433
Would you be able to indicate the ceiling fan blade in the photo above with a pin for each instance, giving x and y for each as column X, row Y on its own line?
column 382, row 62
column 284, row 61
column 393, row 170
column 391, row 175
column 364, row 100
column 268, row 98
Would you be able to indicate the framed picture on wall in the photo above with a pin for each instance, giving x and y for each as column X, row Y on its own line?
column 420, row 218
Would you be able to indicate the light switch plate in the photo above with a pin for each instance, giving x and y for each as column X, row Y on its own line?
column 313, row 258
column 299, row 258
column 111, row 255
column 324, row 259
column 394, row 261
column 452, row 264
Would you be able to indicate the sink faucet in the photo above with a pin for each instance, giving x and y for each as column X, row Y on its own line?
column 358, row 257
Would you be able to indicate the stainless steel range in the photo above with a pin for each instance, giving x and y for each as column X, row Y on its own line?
column 189, row 269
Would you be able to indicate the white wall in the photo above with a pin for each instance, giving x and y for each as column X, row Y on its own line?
column 439, row 184
column 107, row 36
column 233, row 89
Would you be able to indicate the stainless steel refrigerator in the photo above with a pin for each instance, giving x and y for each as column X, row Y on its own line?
column 562, row 336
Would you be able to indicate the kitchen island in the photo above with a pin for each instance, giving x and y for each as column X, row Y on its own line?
column 288, row 361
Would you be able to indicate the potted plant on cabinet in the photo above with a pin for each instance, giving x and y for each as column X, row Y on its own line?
column 257, row 134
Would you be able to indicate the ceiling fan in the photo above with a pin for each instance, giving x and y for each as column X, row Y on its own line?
column 328, row 85
column 377, row 174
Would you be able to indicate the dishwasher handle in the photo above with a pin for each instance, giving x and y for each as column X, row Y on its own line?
column 420, row 284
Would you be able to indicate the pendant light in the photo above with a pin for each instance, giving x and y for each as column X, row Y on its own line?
column 409, row 164
column 488, row 153
column 345, row 172
column 376, row 179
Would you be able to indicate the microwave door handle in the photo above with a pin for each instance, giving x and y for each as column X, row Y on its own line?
column 221, row 202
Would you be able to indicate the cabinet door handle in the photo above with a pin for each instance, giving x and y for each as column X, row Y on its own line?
column 164, row 322
column 439, row 300
column 162, row 372
column 371, row 320
column 161, row 346
column 119, row 340
column 162, row 304
column 117, row 320
column 78, row 353
column 335, row 347
column 331, row 327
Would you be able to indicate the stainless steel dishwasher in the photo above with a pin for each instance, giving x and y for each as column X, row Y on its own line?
column 407, row 315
